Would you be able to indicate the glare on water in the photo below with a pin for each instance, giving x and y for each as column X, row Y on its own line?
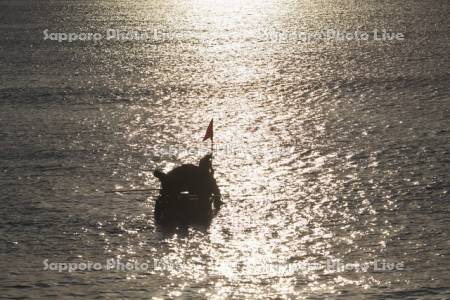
column 332, row 157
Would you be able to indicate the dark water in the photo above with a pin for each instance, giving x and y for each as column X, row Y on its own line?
column 327, row 151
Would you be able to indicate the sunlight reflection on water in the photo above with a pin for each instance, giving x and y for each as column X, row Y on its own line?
column 316, row 161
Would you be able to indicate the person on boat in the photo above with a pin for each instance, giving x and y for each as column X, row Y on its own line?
column 198, row 180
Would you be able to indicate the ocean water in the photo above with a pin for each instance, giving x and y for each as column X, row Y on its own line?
column 333, row 155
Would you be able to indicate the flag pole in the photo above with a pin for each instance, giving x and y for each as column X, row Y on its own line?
column 210, row 135
column 212, row 151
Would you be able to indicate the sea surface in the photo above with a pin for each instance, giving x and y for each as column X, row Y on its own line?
column 333, row 154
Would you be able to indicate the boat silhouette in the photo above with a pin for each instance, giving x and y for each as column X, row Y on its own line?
column 189, row 194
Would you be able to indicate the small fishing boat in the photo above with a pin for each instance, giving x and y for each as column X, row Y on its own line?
column 188, row 194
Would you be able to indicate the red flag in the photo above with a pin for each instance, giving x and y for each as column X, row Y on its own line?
column 209, row 131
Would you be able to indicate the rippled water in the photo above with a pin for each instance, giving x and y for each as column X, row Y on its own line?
column 326, row 151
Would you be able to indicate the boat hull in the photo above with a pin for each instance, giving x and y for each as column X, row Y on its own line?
column 183, row 209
